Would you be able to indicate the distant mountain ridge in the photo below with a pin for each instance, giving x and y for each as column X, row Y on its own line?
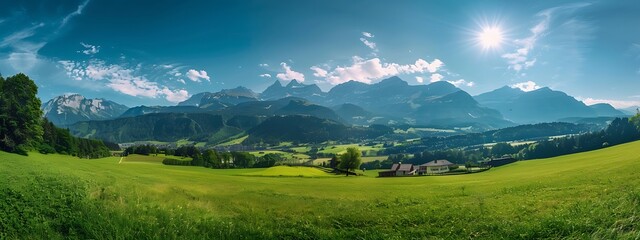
column 68, row 109
column 293, row 89
column 541, row 105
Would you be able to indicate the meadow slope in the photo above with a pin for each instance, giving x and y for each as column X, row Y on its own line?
column 586, row 195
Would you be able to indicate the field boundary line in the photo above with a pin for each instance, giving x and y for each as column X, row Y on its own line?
column 120, row 160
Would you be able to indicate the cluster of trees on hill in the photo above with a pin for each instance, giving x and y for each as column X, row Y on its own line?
column 620, row 130
column 22, row 127
column 58, row 140
column 142, row 150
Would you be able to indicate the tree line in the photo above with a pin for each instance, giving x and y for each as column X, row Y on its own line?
column 23, row 129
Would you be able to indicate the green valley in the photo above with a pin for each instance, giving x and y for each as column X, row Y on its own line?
column 586, row 195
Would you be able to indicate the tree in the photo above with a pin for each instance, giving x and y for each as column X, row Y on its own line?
column 334, row 162
column 211, row 159
column 20, row 114
column 351, row 160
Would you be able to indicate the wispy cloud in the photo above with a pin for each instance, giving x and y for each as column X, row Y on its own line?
column 289, row 74
column 77, row 12
column 18, row 40
column 366, row 40
column 520, row 58
column 265, row 75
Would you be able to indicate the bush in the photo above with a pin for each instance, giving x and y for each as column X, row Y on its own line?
column 175, row 162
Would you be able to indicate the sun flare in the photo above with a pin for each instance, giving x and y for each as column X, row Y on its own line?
column 490, row 37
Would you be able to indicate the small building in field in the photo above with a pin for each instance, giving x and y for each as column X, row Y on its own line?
column 398, row 169
column 504, row 160
column 435, row 167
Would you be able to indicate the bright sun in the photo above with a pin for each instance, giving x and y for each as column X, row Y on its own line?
column 490, row 37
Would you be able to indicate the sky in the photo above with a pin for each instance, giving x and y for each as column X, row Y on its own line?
column 161, row 52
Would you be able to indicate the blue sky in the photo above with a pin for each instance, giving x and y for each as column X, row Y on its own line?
column 161, row 52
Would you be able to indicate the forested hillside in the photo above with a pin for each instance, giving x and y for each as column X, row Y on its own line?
column 23, row 129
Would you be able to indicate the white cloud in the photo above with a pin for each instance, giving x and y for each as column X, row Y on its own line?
column 175, row 96
column 265, row 75
column 264, row 65
column 181, row 81
column 615, row 103
column 90, row 49
column 462, row 82
column 367, row 34
column 121, row 79
column 373, row 69
column 289, row 74
column 527, row 86
column 319, row 72
column 195, row 75
column 178, row 74
column 419, row 79
column 436, row 77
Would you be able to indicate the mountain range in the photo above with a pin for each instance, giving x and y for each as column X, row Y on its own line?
column 69, row 109
column 541, row 105
column 389, row 102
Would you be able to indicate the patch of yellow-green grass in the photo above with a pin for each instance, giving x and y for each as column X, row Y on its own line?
column 286, row 155
column 287, row 171
column 183, row 142
column 319, row 161
column 374, row 158
column 301, row 149
column 136, row 158
column 234, row 141
column 340, row 149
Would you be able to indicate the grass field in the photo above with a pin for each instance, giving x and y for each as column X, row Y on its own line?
column 594, row 195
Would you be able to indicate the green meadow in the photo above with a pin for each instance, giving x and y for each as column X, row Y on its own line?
column 592, row 195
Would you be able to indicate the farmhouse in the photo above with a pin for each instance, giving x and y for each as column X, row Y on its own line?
column 398, row 169
column 435, row 167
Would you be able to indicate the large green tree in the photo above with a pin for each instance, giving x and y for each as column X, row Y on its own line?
column 20, row 114
column 351, row 159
